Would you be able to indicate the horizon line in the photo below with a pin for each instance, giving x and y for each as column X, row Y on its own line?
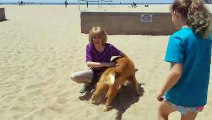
column 90, row 2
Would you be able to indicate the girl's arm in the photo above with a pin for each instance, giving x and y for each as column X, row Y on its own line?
column 98, row 64
column 172, row 79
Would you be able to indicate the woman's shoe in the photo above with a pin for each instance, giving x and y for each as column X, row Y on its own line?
column 86, row 88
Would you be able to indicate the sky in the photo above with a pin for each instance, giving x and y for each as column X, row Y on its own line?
column 75, row 1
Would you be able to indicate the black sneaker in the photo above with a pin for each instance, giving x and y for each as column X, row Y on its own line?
column 86, row 88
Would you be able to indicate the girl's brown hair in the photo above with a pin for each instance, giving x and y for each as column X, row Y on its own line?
column 97, row 31
column 196, row 14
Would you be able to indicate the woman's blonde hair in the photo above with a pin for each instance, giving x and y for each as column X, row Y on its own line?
column 97, row 31
column 196, row 14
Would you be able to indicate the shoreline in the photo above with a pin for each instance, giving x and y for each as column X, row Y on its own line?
column 42, row 45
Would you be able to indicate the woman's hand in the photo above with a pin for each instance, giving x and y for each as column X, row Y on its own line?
column 110, row 64
column 98, row 64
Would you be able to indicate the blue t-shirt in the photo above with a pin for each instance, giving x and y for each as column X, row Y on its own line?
column 194, row 53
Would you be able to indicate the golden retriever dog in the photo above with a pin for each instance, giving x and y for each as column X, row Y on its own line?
column 113, row 78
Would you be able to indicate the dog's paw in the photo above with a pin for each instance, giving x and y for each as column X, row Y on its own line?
column 138, row 93
column 93, row 102
column 107, row 108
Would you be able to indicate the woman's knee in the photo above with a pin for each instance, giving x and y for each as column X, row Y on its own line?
column 73, row 77
column 79, row 79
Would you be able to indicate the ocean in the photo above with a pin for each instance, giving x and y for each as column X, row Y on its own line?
column 82, row 3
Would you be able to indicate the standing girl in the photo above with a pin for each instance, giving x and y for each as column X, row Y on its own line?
column 189, row 52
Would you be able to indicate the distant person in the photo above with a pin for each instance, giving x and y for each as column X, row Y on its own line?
column 189, row 52
column 98, row 59
column 21, row 3
column 66, row 3
column 87, row 3
column 133, row 5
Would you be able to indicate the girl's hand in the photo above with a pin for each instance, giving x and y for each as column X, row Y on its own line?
column 160, row 96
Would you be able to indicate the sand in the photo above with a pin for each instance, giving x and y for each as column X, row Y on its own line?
column 40, row 46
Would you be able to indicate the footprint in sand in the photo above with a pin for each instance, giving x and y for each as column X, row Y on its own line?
column 37, row 85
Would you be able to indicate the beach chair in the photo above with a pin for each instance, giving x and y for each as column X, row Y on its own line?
column 106, row 2
column 87, row 2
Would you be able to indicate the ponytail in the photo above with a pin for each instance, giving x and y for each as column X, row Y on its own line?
column 198, row 18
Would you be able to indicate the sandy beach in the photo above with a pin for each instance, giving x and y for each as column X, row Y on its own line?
column 41, row 45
